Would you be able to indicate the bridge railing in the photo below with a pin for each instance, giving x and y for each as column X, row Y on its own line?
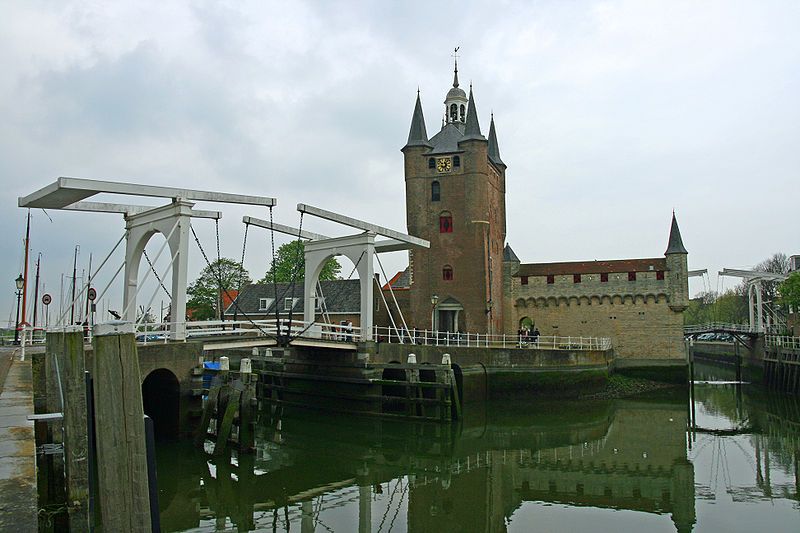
column 783, row 341
column 484, row 340
column 718, row 326
column 155, row 333
column 160, row 332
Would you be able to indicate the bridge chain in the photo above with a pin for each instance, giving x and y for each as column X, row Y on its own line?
column 222, row 287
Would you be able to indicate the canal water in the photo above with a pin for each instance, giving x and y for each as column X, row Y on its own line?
column 724, row 459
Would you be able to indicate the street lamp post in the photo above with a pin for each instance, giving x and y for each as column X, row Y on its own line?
column 20, row 281
column 434, row 301
column 488, row 257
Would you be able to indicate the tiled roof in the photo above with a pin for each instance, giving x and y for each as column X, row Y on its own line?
column 341, row 296
column 592, row 267
column 401, row 280
column 446, row 141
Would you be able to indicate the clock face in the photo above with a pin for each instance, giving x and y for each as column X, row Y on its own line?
column 443, row 164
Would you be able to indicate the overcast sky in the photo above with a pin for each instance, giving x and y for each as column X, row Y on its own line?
column 609, row 114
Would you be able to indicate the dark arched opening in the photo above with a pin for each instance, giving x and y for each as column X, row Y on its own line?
column 161, row 399
column 391, row 391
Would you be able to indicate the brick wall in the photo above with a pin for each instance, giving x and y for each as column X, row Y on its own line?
column 636, row 315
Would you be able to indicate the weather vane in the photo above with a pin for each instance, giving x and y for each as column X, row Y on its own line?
column 455, row 52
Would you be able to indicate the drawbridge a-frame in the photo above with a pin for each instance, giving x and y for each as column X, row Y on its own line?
column 141, row 223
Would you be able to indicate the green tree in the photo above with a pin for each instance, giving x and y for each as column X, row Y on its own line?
column 205, row 294
column 778, row 263
column 790, row 291
column 290, row 265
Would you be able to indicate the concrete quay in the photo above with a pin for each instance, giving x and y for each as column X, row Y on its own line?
column 18, row 497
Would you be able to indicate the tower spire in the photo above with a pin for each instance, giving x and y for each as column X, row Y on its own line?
column 494, row 150
column 472, row 130
column 455, row 70
column 417, row 134
column 675, row 245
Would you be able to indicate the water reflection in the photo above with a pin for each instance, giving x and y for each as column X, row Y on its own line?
column 645, row 463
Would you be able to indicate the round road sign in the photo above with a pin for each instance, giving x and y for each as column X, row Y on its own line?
column 46, row 299
column 92, row 294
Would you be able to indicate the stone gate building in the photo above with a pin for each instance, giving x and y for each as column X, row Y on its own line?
column 470, row 280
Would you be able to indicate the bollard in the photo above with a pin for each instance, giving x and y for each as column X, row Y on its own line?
column 412, row 359
column 446, row 359
column 246, row 366
column 224, row 363
column 119, row 421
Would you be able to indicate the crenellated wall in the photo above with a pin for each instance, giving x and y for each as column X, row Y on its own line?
column 638, row 316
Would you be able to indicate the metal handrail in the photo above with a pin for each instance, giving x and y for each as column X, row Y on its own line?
column 783, row 341
column 160, row 333
column 484, row 340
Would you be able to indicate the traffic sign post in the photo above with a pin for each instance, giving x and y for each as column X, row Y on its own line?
column 46, row 299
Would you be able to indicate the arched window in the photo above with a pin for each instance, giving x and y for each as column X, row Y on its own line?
column 453, row 112
column 456, row 161
column 431, row 163
column 462, row 112
column 447, row 273
column 435, row 191
column 445, row 222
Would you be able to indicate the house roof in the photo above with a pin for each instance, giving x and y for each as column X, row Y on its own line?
column 341, row 296
column 592, row 267
column 401, row 280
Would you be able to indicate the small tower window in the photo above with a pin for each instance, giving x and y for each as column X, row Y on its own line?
column 604, row 277
column 551, row 279
column 431, row 163
column 631, row 276
column 660, row 275
column 524, row 280
column 447, row 273
column 456, row 161
column 436, row 190
column 445, row 223
column 576, row 278
column 462, row 112
column 453, row 112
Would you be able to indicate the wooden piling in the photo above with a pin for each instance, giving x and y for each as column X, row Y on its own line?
column 119, row 420
column 208, row 411
column 224, row 428
column 76, row 442
column 246, row 414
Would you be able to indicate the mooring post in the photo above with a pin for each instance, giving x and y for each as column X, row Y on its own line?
column 76, row 442
column 119, row 420
column 246, row 422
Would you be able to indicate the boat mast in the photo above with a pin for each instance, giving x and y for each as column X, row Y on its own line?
column 36, row 291
column 74, row 283
column 88, row 286
column 25, row 275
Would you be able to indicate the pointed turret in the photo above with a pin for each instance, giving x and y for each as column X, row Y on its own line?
column 418, row 135
column 494, row 150
column 472, row 130
column 509, row 255
column 675, row 245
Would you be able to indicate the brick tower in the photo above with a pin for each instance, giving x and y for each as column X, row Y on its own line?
column 455, row 198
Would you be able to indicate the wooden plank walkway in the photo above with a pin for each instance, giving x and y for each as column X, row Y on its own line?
column 18, row 503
